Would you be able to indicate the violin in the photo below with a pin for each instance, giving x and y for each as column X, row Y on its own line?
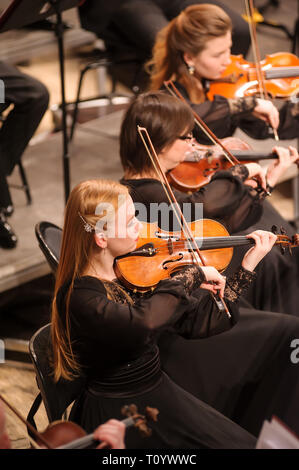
column 280, row 73
column 69, row 435
column 159, row 253
column 185, row 229
column 134, row 418
column 200, row 165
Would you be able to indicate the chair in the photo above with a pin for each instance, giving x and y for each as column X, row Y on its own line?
column 115, row 56
column 107, row 61
column 49, row 238
column 55, row 396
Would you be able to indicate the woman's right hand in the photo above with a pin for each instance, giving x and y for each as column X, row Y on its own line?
column 214, row 282
column 264, row 242
column 256, row 171
column 266, row 111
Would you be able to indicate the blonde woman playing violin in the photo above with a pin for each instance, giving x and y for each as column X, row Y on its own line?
column 195, row 48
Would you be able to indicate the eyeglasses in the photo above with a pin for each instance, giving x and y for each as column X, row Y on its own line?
column 187, row 137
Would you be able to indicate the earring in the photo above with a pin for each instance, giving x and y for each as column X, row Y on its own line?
column 191, row 69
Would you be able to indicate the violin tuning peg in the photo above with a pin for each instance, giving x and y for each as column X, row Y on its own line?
column 282, row 249
column 274, row 229
column 125, row 410
column 152, row 413
column 295, row 240
column 283, row 231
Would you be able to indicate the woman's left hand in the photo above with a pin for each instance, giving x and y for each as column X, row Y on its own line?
column 112, row 433
column 264, row 242
column 286, row 157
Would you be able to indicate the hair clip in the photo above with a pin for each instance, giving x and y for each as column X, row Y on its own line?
column 86, row 225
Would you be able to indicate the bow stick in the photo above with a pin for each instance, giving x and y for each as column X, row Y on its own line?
column 178, row 213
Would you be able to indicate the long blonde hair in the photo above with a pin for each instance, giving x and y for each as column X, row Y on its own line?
column 187, row 33
column 77, row 248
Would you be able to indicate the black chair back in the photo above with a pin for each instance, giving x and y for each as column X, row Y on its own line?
column 55, row 396
column 49, row 237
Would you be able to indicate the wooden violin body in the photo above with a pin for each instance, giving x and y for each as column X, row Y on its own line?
column 280, row 73
column 159, row 253
column 190, row 175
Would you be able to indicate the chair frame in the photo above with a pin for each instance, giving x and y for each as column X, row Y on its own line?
column 44, row 246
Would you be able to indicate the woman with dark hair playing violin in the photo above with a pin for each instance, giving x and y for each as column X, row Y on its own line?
column 194, row 49
column 103, row 331
column 228, row 197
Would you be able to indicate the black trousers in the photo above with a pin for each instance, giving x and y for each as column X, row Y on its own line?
column 135, row 23
column 30, row 99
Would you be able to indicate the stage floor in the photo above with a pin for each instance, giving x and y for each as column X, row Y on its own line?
column 93, row 153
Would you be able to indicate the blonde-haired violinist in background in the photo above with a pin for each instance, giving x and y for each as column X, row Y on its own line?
column 194, row 48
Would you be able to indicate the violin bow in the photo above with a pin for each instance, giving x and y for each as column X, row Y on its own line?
column 172, row 89
column 28, row 425
column 256, row 52
column 177, row 210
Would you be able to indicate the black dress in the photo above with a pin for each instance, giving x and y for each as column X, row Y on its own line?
column 224, row 116
column 236, row 372
column 114, row 342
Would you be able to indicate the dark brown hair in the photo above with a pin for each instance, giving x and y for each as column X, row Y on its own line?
column 165, row 118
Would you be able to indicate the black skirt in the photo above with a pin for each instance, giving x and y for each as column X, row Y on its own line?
column 245, row 373
column 184, row 422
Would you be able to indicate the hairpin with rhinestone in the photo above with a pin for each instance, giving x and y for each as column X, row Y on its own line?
column 86, row 225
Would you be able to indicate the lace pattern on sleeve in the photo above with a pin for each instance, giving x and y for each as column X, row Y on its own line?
column 259, row 193
column 190, row 277
column 239, row 170
column 238, row 283
column 242, row 105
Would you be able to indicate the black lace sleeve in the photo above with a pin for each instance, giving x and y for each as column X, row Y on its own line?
column 241, row 106
column 239, row 170
column 227, row 199
column 190, row 278
column 203, row 318
column 238, row 283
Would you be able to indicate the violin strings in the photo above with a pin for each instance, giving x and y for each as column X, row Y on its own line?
column 210, row 243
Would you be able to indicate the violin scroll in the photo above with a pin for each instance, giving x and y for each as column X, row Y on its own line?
column 140, row 421
column 284, row 241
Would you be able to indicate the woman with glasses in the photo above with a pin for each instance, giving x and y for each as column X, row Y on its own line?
column 170, row 123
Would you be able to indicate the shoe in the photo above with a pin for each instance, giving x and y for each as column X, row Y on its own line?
column 8, row 238
column 8, row 211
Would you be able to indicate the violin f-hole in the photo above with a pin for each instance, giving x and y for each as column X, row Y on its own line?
column 174, row 260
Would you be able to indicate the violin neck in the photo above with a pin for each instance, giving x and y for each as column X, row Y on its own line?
column 253, row 155
column 241, row 155
column 211, row 243
column 282, row 72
